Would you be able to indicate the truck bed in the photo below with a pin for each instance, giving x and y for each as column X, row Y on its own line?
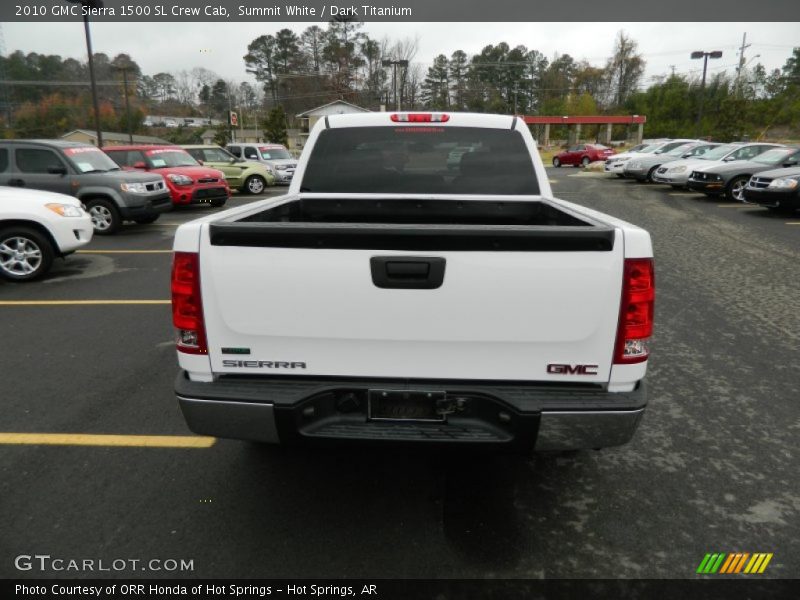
column 415, row 224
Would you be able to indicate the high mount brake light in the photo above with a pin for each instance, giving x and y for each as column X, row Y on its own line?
column 420, row 117
column 187, row 305
column 636, row 311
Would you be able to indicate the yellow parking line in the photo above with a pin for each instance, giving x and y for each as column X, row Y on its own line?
column 683, row 194
column 792, row 223
column 124, row 252
column 736, row 206
column 78, row 302
column 84, row 439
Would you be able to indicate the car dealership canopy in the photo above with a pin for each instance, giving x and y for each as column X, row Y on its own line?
column 578, row 120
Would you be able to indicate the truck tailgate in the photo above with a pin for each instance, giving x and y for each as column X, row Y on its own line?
column 518, row 314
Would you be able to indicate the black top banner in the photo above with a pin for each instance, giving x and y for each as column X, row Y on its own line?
column 398, row 10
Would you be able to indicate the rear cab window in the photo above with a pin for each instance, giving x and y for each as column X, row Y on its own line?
column 420, row 160
column 3, row 159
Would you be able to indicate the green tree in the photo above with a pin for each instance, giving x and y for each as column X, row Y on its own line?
column 275, row 126
column 222, row 134
column 262, row 61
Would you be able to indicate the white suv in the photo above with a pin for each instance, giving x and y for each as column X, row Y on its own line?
column 36, row 227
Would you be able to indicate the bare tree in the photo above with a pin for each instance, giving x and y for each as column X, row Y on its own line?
column 624, row 70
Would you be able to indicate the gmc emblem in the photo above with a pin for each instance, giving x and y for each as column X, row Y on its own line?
column 559, row 369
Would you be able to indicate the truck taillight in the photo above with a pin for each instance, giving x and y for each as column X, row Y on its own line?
column 420, row 117
column 187, row 306
column 636, row 311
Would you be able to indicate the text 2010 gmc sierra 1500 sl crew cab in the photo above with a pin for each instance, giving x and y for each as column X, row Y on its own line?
column 387, row 298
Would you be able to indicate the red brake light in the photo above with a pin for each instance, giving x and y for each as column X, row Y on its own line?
column 187, row 306
column 420, row 117
column 636, row 311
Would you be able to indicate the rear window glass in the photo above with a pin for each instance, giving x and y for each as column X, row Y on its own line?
column 420, row 160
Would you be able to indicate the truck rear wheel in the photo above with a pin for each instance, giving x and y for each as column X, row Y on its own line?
column 25, row 254
column 105, row 216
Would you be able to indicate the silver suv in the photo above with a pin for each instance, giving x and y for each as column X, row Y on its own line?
column 275, row 156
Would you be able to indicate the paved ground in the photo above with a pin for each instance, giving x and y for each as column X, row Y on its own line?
column 713, row 468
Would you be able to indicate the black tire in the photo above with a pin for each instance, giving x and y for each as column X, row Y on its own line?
column 255, row 184
column 676, row 187
column 556, row 162
column 105, row 216
column 37, row 249
column 734, row 191
column 219, row 203
column 585, row 161
column 649, row 177
column 147, row 220
column 620, row 175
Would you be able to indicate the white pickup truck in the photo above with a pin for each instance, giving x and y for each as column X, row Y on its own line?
column 389, row 298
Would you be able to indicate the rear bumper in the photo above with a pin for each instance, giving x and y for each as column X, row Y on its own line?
column 518, row 417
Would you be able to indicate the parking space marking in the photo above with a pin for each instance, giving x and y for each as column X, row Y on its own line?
column 123, row 252
column 683, row 194
column 85, row 439
column 735, row 206
column 792, row 223
column 80, row 302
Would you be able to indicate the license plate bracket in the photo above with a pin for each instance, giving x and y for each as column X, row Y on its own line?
column 405, row 405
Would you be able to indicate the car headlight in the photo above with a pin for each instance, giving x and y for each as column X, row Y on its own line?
column 66, row 210
column 677, row 170
column 180, row 179
column 281, row 167
column 222, row 176
column 136, row 188
column 623, row 159
column 783, row 184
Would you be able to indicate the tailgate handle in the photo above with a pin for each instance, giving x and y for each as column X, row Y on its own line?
column 407, row 272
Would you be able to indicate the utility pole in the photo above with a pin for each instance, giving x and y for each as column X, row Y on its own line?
column 394, row 64
column 91, row 4
column 741, row 66
column 125, row 69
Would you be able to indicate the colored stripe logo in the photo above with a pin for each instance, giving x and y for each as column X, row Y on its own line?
column 731, row 563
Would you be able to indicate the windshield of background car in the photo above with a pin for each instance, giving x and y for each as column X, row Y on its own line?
column 217, row 155
column 775, row 156
column 160, row 158
column 649, row 149
column 90, row 159
column 680, row 150
column 414, row 160
column 274, row 153
column 719, row 152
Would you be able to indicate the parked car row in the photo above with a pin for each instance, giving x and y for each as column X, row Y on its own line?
column 755, row 172
column 55, row 195
column 134, row 183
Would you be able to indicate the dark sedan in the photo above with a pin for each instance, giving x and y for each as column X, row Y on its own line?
column 730, row 178
column 777, row 190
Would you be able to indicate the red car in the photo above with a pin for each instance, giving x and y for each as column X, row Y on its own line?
column 188, row 181
column 582, row 154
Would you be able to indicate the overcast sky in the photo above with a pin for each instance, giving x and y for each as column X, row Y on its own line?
column 220, row 46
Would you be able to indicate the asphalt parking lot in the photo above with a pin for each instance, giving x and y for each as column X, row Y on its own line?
column 713, row 468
